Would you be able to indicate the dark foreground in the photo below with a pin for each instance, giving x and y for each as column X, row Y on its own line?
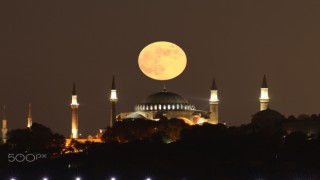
column 206, row 152
column 171, row 161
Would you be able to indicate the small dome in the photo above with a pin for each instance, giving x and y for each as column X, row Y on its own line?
column 267, row 118
column 164, row 97
column 135, row 115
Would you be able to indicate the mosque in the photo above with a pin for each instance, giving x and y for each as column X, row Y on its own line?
column 163, row 104
column 166, row 104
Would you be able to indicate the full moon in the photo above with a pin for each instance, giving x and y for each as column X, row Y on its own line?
column 162, row 60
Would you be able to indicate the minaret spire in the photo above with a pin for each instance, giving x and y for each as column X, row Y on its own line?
column 113, row 100
column 214, row 86
column 29, row 123
column 264, row 82
column 214, row 103
column 74, row 89
column 113, row 85
column 4, row 116
column 74, row 113
column 4, row 129
column 264, row 95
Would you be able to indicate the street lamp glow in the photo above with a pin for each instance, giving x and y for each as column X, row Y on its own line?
column 78, row 178
column 13, row 179
column 45, row 178
column 113, row 178
column 148, row 178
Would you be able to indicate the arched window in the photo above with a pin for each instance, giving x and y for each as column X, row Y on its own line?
column 164, row 107
column 169, row 107
column 151, row 107
column 159, row 106
column 178, row 107
column 173, row 107
column 155, row 107
column 147, row 107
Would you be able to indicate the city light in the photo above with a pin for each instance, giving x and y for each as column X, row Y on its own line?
column 78, row 178
column 148, row 178
column 45, row 178
column 113, row 178
column 13, row 179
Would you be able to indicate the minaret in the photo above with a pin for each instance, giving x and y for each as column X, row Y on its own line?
column 264, row 96
column 4, row 126
column 113, row 101
column 214, row 103
column 74, row 109
column 29, row 123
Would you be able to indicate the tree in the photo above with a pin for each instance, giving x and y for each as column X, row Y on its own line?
column 141, row 129
column 38, row 138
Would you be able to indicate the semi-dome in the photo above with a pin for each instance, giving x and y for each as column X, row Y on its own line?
column 164, row 101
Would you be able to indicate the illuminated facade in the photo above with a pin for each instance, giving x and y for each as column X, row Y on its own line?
column 4, row 129
column 170, row 105
column 74, row 116
column 264, row 95
column 29, row 122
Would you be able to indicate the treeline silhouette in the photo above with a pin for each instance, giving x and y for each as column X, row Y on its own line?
column 171, row 149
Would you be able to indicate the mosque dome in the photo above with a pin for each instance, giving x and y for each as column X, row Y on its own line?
column 164, row 101
column 267, row 118
column 164, row 97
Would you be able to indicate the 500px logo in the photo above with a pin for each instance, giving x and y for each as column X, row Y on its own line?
column 25, row 157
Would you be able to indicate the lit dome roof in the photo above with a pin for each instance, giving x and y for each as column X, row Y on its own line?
column 164, row 97
column 164, row 101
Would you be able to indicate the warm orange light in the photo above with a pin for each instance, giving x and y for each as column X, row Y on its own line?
column 4, row 124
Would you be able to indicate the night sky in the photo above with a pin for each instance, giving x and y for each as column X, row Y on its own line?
column 47, row 45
